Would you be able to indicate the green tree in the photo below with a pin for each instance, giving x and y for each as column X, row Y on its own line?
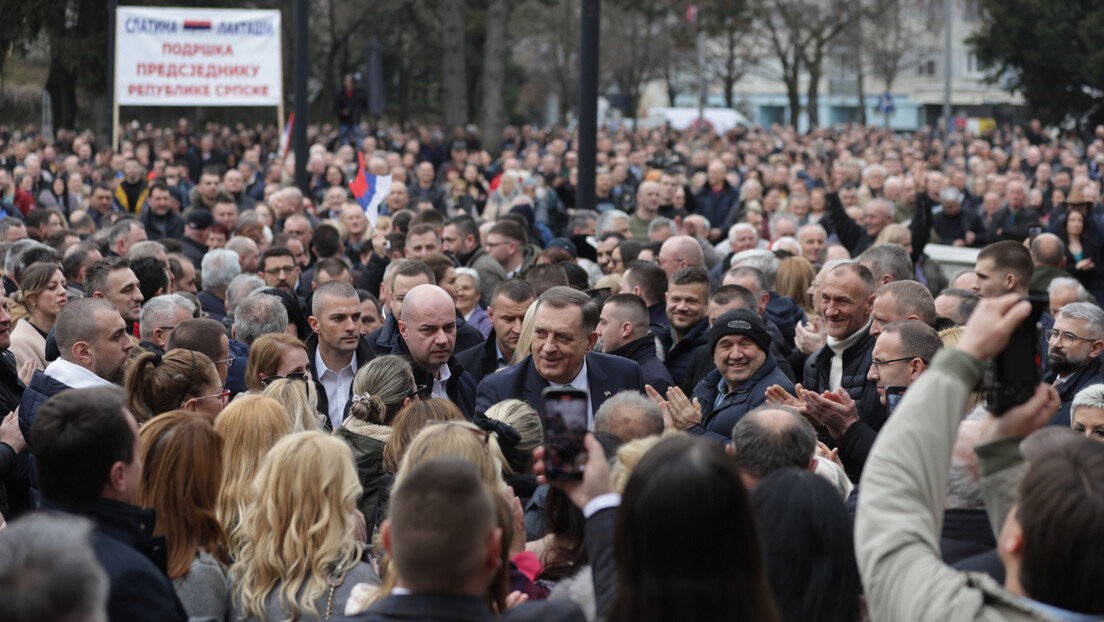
column 1053, row 51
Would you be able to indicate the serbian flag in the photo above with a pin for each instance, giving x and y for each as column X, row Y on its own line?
column 370, row 190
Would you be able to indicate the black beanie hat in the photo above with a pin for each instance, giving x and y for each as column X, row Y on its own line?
column 740, row 322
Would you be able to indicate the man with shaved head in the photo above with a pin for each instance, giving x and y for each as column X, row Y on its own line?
column 680, row 251
column 336, row 350
column 428, row 329
column 647, row 206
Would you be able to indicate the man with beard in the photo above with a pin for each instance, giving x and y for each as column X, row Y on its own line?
column 93, row 341
column 460, row 238
column 279, row 269
column 428, row 329
column 1076, row 342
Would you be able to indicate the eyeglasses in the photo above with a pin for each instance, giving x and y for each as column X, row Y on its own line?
column 876, row 364
column 229, row 362
column 280, row 270
column 1066, row 337
column 295, row 375
column 419, row 391
column 224, row 396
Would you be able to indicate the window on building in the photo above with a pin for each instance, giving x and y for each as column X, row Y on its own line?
column 975, row 68
column 926, row 68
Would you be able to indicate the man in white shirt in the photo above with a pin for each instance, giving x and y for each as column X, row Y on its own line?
column 336, row 350
column 94, row 343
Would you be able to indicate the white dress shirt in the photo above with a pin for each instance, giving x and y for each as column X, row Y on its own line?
column 580, row 383
column 337, row 384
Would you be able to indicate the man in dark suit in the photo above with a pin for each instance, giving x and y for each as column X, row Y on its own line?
column 1076, row 343
column 563, row 336
column 443, row 537
column 86, row 445
column 428, row 330
column 509, row 302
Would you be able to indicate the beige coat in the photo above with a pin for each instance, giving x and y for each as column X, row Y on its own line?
column 900, row 512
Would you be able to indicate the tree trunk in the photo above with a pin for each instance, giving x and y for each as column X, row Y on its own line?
column 62, row 86
column 494, row 74
column 454, row 86
column 862, row 92
column 812, row 102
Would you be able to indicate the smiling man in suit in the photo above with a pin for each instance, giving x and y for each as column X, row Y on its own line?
column 563, row 337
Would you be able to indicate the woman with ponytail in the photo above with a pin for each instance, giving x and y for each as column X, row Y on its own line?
column 179, row 379
column 380, row 390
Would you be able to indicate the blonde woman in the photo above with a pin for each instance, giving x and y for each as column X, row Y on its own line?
column 300, row 400
column 300, row 559
column 380, row 390
column 525, row 339
column 249, row 427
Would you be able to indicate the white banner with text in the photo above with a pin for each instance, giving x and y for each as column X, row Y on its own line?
column 197, row 57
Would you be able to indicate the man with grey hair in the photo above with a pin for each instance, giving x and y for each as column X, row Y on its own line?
column 956, row 226
column 1087, row 413
column 562, row 355
column 1073, row 360
column 159, row 317
column 888, row 263
column 901, row 300
column 124, row 235
column 613, row 220
column 1065, row 290
column 248, row 254
column 661, row 228
column 240, row 286
column 956, row 305
column 877, row 215
column 49, row 572
column 258, row 314
column 629, row 416
column 770, row 438
column 219, row 267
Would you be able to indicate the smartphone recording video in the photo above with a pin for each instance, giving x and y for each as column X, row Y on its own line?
column 893, row 397
column 1019, row 368
column 565, row 429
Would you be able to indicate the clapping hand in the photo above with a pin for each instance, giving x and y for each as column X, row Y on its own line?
column 777, row 396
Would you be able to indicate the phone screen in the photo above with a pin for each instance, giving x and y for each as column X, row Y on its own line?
column 1034, row 232
column 565, row 429
column 1019, row 366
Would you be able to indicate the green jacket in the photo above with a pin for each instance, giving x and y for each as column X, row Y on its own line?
column 900, row 512
column 366, row 440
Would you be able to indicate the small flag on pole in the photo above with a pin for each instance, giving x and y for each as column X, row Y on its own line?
column 285, row 140
column 370, row 190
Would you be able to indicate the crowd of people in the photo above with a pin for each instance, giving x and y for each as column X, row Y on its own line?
column 231, row 398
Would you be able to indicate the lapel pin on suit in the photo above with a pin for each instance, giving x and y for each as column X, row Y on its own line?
column 606, row 393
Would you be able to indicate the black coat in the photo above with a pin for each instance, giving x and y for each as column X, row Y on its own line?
column 677, row 356
column 1086, row 376
column 850, row 234
column 643, row 351
column 134, row 559
column 854, row 445
column 384, row 340
column 482, row 360
column 460, row 386
column 14, row 486
column 455, row 608
column 364, row 354
column 606, row 376
column 718, row 207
